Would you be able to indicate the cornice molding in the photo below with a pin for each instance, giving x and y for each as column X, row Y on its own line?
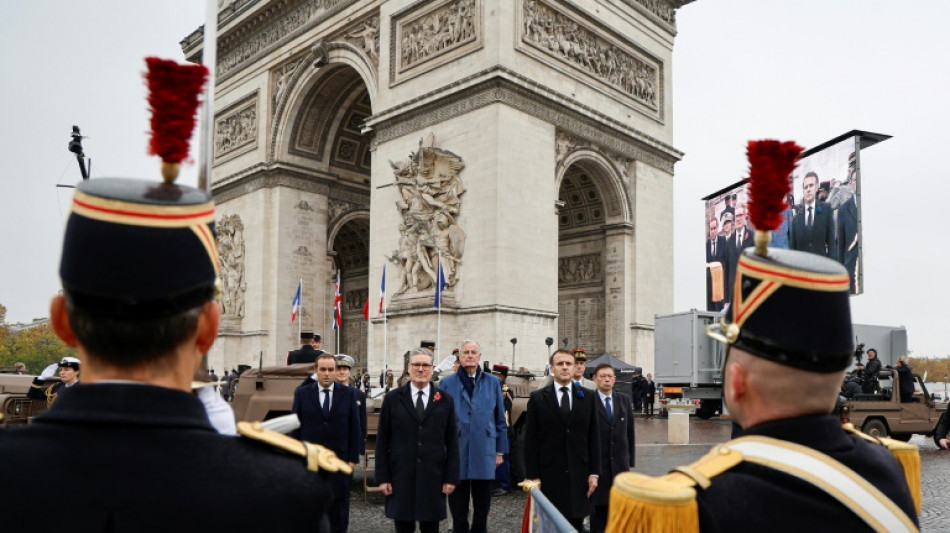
column 501, row 85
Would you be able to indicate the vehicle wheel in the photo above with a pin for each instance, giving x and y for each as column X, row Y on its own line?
column 875, row 428
column 704, row 413
column 903, row 437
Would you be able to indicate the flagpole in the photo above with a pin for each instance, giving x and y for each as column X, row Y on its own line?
column 300, row 305
column 385, row 325
column 438, row 290
column 338, row 311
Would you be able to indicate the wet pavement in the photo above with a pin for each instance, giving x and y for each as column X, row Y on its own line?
column 655, row 457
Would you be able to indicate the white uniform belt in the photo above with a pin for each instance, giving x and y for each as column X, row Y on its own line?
column 831, row 476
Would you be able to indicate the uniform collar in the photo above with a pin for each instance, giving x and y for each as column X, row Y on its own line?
column 128, row 404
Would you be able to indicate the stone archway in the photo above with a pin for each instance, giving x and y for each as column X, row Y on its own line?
column 349, row 247
column 590, row 200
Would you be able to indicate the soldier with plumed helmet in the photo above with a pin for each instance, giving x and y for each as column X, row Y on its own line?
column 139, row 272
column 788, row 339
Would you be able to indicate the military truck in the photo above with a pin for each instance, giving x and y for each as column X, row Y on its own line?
column 15, row 407
column 882, row 414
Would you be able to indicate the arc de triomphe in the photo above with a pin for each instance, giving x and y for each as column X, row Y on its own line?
column 524, row 145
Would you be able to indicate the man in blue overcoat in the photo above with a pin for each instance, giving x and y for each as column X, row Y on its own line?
column 483, row 437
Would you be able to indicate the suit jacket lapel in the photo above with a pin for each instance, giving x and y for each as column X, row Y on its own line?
column 431, row 404
column 338, row 397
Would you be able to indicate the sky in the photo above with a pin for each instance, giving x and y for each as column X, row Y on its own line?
column 803, row 70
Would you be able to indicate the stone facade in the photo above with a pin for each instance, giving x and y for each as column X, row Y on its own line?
column 524, row 144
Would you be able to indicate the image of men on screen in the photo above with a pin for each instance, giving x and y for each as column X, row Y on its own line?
column 847, row 246
column 813, row 227
column 715, row 274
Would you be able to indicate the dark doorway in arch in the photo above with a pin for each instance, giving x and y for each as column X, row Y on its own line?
column 581, row 244
column 351, row 253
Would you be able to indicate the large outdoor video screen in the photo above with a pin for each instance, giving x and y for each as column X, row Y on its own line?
column 823, row 217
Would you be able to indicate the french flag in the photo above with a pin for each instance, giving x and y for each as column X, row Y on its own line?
column 296, row 302
column 440, row 285
column 382, row 292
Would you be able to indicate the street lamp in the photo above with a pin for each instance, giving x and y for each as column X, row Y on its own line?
column 514, row 340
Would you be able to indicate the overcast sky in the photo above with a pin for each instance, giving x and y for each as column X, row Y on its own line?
column 803, row 70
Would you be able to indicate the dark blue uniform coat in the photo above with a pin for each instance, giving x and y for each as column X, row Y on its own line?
column 417, row 455
column 751, row 497
column 140, row 458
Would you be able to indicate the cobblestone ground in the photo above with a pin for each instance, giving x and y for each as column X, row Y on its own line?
column 654, row 457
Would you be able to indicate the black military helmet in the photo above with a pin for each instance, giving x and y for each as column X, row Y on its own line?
column 139, row 249
column 791, row 307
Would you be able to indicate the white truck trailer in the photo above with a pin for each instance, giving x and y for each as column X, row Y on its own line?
column 688, row 363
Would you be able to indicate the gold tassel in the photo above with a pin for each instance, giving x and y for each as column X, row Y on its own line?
column 908, row 456
column 644, row 504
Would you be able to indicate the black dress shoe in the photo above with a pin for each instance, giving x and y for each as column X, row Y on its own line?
column 499, row 492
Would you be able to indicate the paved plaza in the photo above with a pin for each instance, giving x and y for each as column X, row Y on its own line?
column 655, row 457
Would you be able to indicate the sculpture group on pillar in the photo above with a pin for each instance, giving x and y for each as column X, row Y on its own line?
column 230, row 231
column 430, row 192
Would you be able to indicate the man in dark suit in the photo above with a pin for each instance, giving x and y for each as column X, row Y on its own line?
column 562, row 444
column 615, row 423
column 417, row 449
column 309, row 349
column 847, row 244
column 138, row 306
column 344, row 365
column 329, row 416
column 813, row 227
column 715, row 258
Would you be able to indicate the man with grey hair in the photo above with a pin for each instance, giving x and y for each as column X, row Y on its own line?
column 483, row 437
column 417, row 452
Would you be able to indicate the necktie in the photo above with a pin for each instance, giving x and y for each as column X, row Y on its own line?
column 808, row 222
column 714, row 248
column 565, row 401
column 326, row 403
column 610, row 411
column 420, row 408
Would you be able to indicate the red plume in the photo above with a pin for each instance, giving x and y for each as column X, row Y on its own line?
column 770, row 165
column 173, row 99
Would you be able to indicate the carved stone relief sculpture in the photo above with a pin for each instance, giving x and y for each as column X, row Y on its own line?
column 282, row 76
column 433, row 31
column 366, row 37
column 236, row 128
column 430, row 192
column 230, row 231
column 560, row 36
column 579, row 269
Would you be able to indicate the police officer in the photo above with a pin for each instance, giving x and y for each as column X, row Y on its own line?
column 789, row 340
column 139, row 271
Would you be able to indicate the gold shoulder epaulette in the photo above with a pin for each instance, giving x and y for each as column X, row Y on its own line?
column 318, row 458
column 665, row 504
column 907, row 455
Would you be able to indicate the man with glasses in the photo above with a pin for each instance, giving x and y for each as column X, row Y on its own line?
column 417, row 453
column 483, row 437
column 329, row 415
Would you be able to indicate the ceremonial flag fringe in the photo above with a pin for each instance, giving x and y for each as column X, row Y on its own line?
column 296, row 302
